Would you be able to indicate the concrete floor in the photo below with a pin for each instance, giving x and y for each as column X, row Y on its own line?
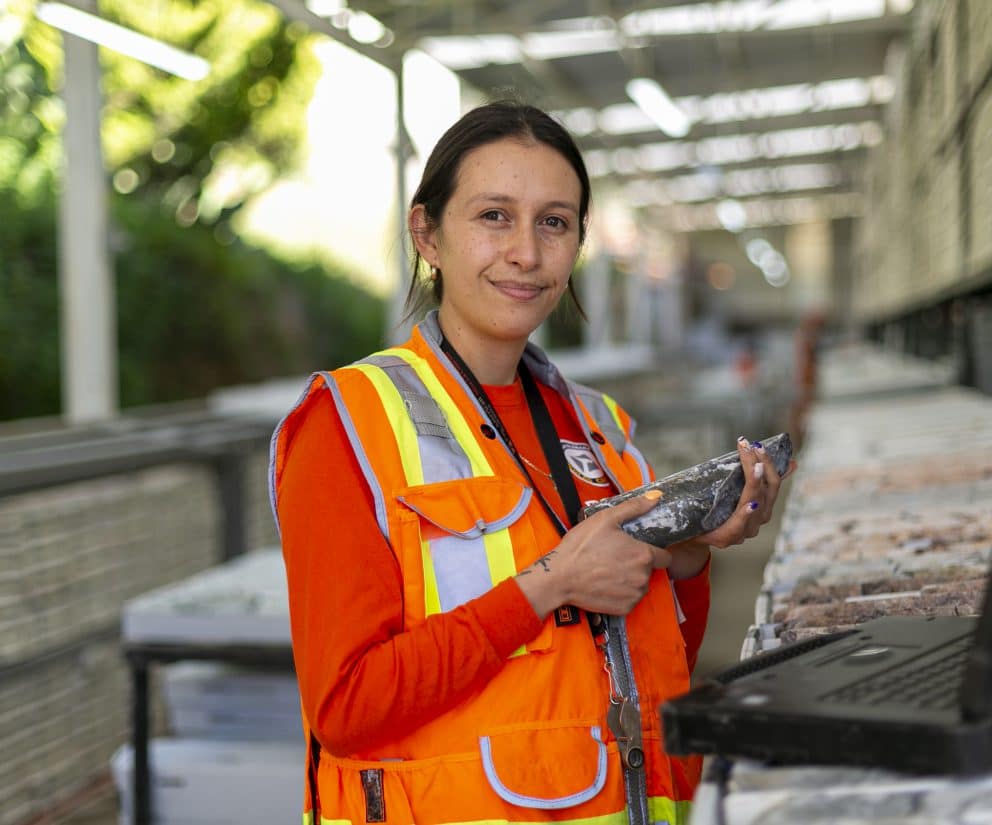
column 735, row 576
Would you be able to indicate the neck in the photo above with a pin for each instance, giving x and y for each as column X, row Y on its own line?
column 493, row 362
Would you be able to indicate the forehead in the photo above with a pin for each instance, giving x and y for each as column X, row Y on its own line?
column 519, row 168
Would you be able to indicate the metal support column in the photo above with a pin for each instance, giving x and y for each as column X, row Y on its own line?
column 597, row 301
column 397, row 330
column 88, row 316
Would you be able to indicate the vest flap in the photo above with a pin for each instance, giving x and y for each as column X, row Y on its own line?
column 468, row 507
column 546, row 767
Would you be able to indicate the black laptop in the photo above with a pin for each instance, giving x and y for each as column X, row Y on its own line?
column 909, row 693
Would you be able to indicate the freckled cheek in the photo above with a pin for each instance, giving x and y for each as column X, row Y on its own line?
column 478, row 252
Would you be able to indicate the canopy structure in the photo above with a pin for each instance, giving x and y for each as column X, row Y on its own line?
column 701, row 115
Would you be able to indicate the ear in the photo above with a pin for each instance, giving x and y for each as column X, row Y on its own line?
column 424, row 234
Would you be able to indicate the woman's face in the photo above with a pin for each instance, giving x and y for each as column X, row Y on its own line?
column 506, row 242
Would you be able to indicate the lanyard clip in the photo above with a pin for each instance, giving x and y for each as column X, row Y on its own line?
column 624, row 720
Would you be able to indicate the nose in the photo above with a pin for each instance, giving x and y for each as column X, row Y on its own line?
column 524, row 249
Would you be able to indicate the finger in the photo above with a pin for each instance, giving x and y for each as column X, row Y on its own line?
column 764, row 468
column 749, row 461
column 634, row 507
column 766, row 472
column 736, row 528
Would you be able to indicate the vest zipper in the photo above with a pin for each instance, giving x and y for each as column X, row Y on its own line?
column 618, row 653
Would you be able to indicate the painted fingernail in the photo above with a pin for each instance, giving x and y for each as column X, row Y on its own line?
column 752, row 506
column 653, row 495
column 758, row 447
column 759, row 471
column 743, row 441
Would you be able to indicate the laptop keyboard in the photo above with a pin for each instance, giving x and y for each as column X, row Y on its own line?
column 931, row 682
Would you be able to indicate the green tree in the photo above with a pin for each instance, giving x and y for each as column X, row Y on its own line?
column 197, row 307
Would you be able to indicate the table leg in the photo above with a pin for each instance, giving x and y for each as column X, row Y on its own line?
column 139, row 733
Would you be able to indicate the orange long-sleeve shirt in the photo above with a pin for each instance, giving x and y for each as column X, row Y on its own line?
column 364, row 678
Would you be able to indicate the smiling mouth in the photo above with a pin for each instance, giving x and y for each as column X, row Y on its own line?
column 518, row 289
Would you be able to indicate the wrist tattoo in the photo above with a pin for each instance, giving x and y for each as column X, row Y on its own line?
column 544, row 562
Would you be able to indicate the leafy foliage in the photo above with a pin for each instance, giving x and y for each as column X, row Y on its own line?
column 197, row 308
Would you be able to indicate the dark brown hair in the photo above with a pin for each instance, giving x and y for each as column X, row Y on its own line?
column 478, row 127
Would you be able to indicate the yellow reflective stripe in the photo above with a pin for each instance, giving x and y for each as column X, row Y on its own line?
column 660, row 809
column 499, row 549
column 499, row 554
column 663, row 809
column 612, row 406
column 432, row 595
column 409, row 447
column 403, row 427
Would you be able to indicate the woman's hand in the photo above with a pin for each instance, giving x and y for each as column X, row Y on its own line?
column 597, row 566
column 761, row 486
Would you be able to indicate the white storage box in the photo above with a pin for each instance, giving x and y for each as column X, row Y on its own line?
column 203, row 782
column 211, row 700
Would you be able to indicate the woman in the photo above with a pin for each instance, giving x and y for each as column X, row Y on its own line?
column 467, row 651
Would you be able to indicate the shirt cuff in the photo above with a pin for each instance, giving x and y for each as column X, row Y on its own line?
column 507, row 618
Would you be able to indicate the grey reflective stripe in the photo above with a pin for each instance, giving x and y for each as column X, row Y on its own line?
column 539, row 802
column 461, row 570
column 363, row 460
column 610, row 430
column 274, row 441
column 603, row 417
column 442, row 457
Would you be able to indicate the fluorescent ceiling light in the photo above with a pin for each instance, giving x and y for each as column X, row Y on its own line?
column 597, row 163
column 547, row 45
column 123, row 40
column 458, row 53
column 580, row 122
column 755, row 248
column 326, row 8
column 732, row 216
column 366, row 29
column 624, row 119
column 657, row 105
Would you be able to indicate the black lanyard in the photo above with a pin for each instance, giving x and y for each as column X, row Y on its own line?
column 546, row 433
column 550, row 444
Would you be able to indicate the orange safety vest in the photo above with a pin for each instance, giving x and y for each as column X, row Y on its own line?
column 533, row 744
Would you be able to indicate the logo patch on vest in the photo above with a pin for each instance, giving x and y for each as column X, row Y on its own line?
column 566, row 614
column 583, row 463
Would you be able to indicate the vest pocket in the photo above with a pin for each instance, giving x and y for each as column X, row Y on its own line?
column 464, row 537
column 461, row 538
column 468, row 508
column 548, row 767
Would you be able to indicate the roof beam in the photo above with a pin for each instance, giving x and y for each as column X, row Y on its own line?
column 701, row 131
column 520, row 20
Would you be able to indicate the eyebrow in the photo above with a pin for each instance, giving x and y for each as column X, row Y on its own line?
column 500, row 198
